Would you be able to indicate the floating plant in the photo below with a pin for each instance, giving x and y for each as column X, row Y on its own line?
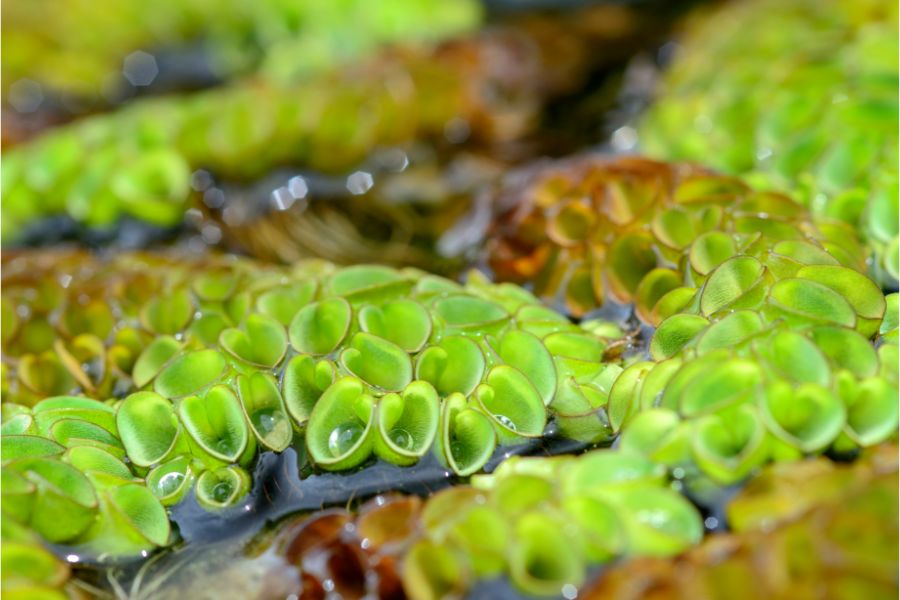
column 263, row 36
column 360, row 362
column 544, row 522
column 838, row 514
column 824, row 123
column 763, row 347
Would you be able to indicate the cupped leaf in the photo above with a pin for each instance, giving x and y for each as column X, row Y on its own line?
column 543, row 558
column 14, row 447
column 729, row 444
column 846, row 349
column 189, row 373
column 75, row 432
column 512, row 403
column 601, row 527
column 148, row 427
column 31, row 572
column 466, row 439
column 653, row 287
column 221, row 488
column 17, row 494
column 89, row 459
column 526, row 353
column 132, row 521
column 50, row 410
column 730, row 331
column 432, row 571
column 797, row 357
column 658, row 521
column 262, row 342
column 378, row 362
column 730, row 283
column 811, row 301
column 339, row 430
column 674, row 333
column 64, row 502
column 320, row 327
column 407, row 423
column 711, row 250
column 809, row 417
column 580, row 412
column 709, row 390
column 152, row 360
column 304, row 382
column 216, row 423
column 368, row 283
column 872, row 412
column 405, row 323
column 599, row 473
column 660, row 435
column 171, row 480
column 168, row 314
column 863, row 295
column 628, row 261
column 264, row 410
column 482, row 533
column 469, row 314
column 215, row 285
column 455, row 364
column 283, row 302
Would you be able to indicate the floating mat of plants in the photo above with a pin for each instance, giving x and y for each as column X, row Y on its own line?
column 798, row 529
column 485, row 93
column 187, row 370
column 802, row 95
column 52, row 50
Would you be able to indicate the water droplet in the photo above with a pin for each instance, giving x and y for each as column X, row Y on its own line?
column 266, row 422
column 343, row 437
column 221, row 491
column 506, row 422
column 401, row 438
column 169, row 483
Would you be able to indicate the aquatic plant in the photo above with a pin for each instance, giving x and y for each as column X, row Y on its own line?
column 108, row 166
column 763, row 346
column 541, row 521
column 823, row 124
column 55, row 49
column 797, row 528
column 195, row 367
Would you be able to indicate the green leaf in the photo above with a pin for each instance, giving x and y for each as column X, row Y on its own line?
column 64, row 502
column 304, row 381
column 152, row 360
column 264, row 410
column 168, row 314
column 407, row 423
column 338, row 434
column 14, row 447
column 872, row 412
column 262, row 342
column 711, row 250
column 810, row 301
column 729, row 283
column 320, row 327
column 148, row 427
column 466, row 439
column 189, row 373
column 403, row 322
column 216, row 423
column 730, row 331
column 729, row 444
column 658, row 521
column 455, row 364
column 809, row 417
column 796, row 357
column 432, row 571
column 468, row 314
column 543, row 558
column 222, row 488
column 526, row 353
column 283, row 302
column 171, row 480
column 378, row 362
column 512, row 403
column 858, row 290
column 675, row 333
